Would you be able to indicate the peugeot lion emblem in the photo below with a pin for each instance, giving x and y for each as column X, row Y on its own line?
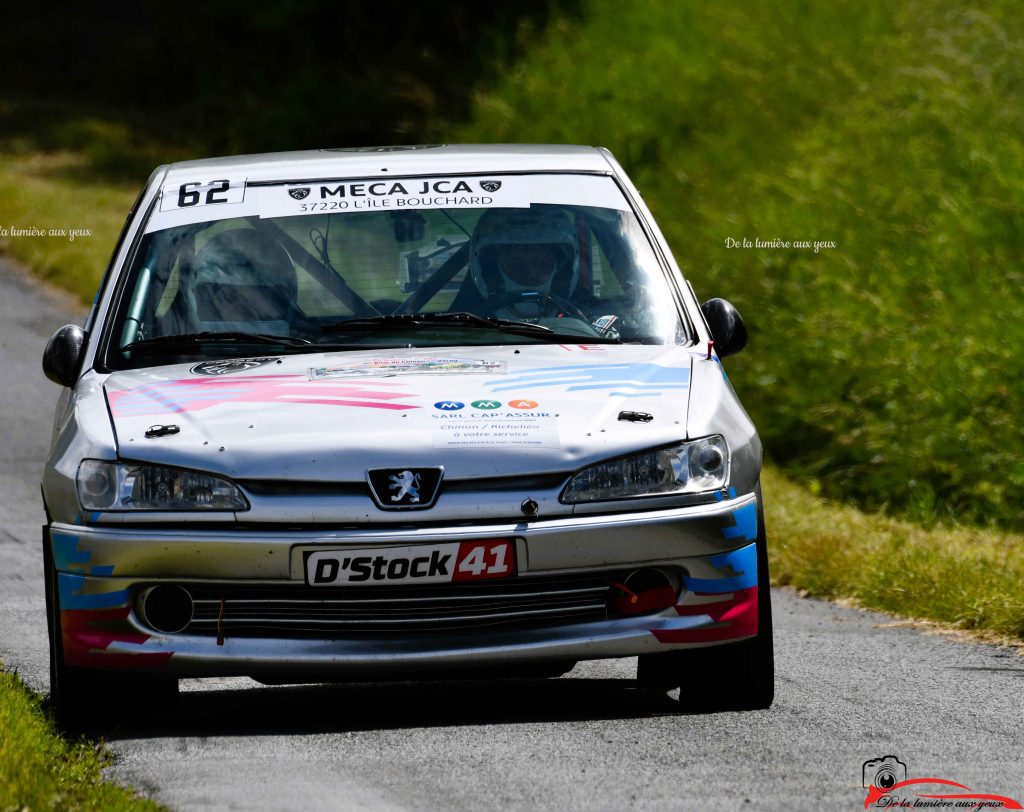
column 490, row 185
column 299, row 194
column 407, row 485
column 404, row 488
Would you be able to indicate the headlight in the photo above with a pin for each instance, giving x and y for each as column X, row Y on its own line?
column 701, row 465
column 137, row 486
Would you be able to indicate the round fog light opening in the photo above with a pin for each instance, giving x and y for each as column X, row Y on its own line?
column 166, row 608
column 643, row 592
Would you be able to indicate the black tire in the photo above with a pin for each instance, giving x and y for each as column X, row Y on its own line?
column 82, row 700
column 733, row 676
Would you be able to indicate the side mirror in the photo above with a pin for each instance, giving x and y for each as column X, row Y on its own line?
column 727, row 327
column 63, row 355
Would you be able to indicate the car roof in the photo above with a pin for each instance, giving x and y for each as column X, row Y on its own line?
column 402, row 161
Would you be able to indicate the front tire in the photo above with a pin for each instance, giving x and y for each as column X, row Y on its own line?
column 731, row 676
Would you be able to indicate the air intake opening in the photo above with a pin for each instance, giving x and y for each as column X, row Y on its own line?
column 642, row 592
column 166, row 608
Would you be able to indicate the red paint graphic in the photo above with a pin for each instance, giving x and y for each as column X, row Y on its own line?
column 195, row 394
column 87, row 633
column 737, row 613
column 875, row 794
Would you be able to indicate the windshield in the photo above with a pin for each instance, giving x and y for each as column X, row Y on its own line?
column 344, row 265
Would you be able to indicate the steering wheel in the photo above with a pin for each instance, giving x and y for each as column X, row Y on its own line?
column 546, row 304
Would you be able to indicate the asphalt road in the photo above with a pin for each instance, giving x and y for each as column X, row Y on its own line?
column 851, row 686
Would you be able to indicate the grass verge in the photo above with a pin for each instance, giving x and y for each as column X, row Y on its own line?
column 44, row 194
column 965, row 577
column 41, row 770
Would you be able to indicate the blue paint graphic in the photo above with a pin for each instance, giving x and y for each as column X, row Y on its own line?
column 70, row 589
column 745, row 523
column 742, row 561
column 644, row 379
column 744, row 520
column 66, row 555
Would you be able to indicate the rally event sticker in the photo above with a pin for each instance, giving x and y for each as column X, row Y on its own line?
column 192, row 199
column 489, row 422
column 385, row 367
column 394, row 194
column 422, row 564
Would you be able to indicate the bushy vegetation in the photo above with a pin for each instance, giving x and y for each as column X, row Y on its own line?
column 883, row 370
column 228, row 77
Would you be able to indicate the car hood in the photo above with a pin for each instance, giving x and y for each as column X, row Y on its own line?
column 477, row 411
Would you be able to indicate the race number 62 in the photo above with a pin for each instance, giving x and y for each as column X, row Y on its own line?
column 189, row 196
column 203, row 193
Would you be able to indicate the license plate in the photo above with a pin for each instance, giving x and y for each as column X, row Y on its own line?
column 421, row 564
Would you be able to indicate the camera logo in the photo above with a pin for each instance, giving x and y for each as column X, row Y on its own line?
column 884, row 773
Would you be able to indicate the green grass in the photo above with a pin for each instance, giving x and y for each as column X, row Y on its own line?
column 54, row 191
column 40, row 770
column 964, row 577
column 885, row 370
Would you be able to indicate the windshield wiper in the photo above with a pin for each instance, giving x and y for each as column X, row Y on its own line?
column 187, row 343
column 191, row 340
column 461, row 319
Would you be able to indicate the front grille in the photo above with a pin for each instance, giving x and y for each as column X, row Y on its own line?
column 289, row 611
column 296, row 487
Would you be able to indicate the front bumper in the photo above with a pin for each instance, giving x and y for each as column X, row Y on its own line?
column 101, row 572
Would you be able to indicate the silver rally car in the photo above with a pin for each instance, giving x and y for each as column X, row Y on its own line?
column 389, row 414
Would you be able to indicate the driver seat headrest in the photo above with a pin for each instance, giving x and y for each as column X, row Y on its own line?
column 242, row 280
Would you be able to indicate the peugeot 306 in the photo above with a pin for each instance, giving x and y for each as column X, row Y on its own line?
column 390, row 414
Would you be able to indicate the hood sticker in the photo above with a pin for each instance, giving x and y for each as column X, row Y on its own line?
column 393, row 194
column 624, row 380
column 226, row 366
column 170, row 397
column 386, row 367
column 187, row 199
column 489, row 423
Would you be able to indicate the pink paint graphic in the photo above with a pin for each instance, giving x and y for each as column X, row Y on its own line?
column 732, row 615
column 88, row 634
column 193, row 395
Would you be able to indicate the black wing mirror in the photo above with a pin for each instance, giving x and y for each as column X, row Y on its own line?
column 727, row 327
column 62, row 357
